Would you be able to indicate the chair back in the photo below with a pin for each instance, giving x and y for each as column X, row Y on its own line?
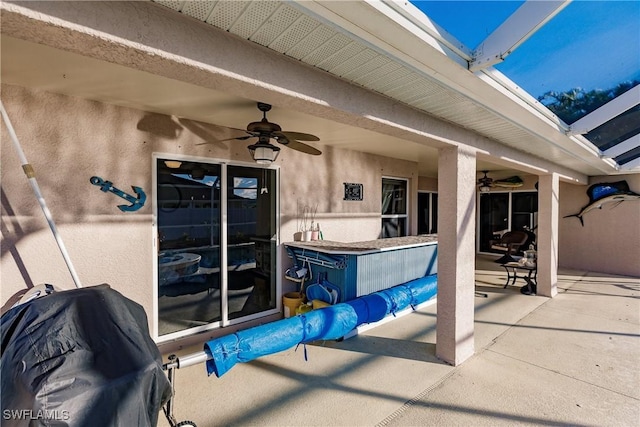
column 515, row 238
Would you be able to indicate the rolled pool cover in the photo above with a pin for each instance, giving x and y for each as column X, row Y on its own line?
column 327, row 323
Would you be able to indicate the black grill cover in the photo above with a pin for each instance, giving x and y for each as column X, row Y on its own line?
column 81, row 357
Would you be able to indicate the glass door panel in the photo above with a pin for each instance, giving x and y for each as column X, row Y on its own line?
column 394, row 208
column 494, row 218
column 427, row 213
column 189, row 218
column 424, row 212
column 434, row 214
column 524, row 211
column 251, row 243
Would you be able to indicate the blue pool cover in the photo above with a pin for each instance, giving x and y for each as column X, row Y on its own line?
column 328, row 323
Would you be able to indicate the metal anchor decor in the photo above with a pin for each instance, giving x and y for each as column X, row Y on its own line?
column 136, row 202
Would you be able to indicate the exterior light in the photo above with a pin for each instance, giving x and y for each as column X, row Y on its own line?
column 264, row 153
column 485, row 188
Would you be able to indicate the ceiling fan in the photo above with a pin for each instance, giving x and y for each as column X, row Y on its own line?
column 485, row 183
column 263, row 151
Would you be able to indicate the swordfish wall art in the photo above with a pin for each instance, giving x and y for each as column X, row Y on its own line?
column 604, row 193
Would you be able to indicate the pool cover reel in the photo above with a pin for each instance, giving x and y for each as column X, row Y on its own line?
column 327, row 323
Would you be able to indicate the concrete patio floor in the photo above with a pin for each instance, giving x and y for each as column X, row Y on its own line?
column 570, row 360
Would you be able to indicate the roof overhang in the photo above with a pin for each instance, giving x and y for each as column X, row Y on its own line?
column 388, row 48
column 439, row 62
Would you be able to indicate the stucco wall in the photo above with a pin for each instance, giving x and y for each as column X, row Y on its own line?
column 427, row 184
column 68, row 140
column 319, row 182
column 609, row 242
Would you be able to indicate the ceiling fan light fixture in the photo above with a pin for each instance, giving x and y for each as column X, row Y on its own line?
column 485, row 183
column 264, row 154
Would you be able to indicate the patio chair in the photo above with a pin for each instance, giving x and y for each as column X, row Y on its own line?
column 509, row 243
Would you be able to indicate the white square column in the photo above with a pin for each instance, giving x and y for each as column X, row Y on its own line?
column 456, row 254
column 547, row 236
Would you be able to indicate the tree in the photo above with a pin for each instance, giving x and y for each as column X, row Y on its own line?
column 576, row 103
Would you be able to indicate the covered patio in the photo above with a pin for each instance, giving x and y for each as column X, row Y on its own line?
column 118, row 91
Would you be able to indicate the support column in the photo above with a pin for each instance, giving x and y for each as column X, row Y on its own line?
column 547, row 240
column 456, row 254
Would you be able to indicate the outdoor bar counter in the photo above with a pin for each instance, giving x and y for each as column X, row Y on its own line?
column 360, row 268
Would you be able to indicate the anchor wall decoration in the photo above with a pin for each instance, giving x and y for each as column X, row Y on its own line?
column 136, row 202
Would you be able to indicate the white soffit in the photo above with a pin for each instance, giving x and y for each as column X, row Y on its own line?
column 377, row 45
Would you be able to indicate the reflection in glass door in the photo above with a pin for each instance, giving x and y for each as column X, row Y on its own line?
column 524, row 214
column 216, row 249
column 394, row 208
column 251, row 243
column 494, row 218
column 427, row 213
column 501, row 212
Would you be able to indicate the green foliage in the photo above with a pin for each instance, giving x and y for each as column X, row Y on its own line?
column 576, row 103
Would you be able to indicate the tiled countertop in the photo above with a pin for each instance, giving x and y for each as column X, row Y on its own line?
column 377, row 245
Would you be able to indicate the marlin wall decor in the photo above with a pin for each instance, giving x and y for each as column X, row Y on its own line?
column 603, row 193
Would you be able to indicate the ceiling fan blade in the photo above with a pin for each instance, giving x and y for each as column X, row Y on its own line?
column 297, row 135
column 303, row 148
column 240, row 138
column 281, row 139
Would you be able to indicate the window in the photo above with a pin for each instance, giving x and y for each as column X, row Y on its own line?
column 217, row 228
column 394, row 207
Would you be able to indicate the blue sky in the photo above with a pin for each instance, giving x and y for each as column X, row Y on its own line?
column 590, row 44
column 243, row 187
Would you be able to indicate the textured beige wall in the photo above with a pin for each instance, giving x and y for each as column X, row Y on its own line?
column 319, row 182
column 609, row 242
column 68, row 140
column 427, row 184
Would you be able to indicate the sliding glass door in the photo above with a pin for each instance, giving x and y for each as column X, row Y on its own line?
column 216, row 227
column 502, row 212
